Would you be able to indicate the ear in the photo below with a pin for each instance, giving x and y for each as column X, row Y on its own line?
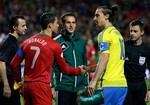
column 106, row 17
column 50, row 25
column 15, row 28
column 142, row 33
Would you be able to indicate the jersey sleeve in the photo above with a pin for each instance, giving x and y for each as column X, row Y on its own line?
column 5, row 52
column 104, row 40
column 16, row 65
column 148, row 60
column 65, row 69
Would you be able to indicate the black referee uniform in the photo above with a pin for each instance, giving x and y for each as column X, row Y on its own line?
column 136, row 59
column 8, row 50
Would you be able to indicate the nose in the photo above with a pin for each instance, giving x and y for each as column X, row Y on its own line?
column 131, row 33
column 71, row 24
column 25, row 27
column 94, row 18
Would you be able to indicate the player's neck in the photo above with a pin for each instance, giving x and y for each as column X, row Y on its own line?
column 47, row 32
column 108, row 24
column 14, row 34
column 138, row 42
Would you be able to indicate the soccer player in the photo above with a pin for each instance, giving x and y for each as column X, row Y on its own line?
column 39, row 53
column 8, row 49
column 136, row 59
column 111, row 60
column 74, row 51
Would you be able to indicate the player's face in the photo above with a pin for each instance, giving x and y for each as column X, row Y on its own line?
column 55, row 25
column 21, row 28
column 99, row 18
column 70, row 24
column 136, row 33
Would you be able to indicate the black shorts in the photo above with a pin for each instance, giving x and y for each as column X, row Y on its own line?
column 66, row 98
column 15, row 96
column 136, row 93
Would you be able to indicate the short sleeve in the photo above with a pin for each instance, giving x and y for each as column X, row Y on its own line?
column 5, row 51
column 104, row 42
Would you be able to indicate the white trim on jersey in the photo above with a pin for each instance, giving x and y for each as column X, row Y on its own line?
column 57, row 37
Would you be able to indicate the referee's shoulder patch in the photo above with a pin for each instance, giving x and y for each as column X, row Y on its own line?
column 64, row 46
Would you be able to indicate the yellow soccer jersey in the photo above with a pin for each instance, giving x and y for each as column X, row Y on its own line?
column 110, row 41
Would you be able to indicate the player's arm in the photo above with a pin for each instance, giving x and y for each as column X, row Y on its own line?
column 6, row 91
column 103, row 59
column 16, row 65
column 65, row 69
column 3, row 73
column 4, row 55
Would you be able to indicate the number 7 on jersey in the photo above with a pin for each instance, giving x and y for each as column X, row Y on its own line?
column 37, row 49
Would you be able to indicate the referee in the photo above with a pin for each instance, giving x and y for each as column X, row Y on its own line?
column 9, row 47
column 136, row 59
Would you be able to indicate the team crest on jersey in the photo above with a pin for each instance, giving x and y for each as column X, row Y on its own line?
column 64, row 46
column 142, row 60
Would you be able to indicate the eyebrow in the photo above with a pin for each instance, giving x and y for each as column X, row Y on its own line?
column 70, row 21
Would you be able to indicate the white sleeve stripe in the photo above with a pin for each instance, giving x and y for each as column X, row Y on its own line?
column 57, row 37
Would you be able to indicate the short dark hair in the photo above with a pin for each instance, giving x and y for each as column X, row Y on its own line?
column 68, row 14
column 137, row 22
column 111, row 10
column 47, row 18
column 14, row 21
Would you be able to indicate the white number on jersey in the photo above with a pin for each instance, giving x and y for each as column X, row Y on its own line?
column 37, row 49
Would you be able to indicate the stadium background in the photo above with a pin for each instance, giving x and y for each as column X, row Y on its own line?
column 84, row 9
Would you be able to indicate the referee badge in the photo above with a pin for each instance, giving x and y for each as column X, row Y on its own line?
column 64, row 46
column 142, row 60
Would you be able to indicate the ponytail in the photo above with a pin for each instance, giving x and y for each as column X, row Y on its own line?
column 114, row 15
column 115, row 9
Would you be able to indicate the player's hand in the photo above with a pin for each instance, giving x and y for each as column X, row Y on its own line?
column 91, row 88
column 90, row 68
column 53, row 94
column 7, row 91
column 87, row 68
column 147, row 98
column 83, row 70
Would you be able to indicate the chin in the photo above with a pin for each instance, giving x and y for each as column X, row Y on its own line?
column 133, row 40
column 55, row 32
column 71, row 32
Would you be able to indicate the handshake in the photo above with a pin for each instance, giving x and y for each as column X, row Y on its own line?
column 89, row 69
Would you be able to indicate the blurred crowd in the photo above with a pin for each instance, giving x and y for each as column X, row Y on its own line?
column 84, row 9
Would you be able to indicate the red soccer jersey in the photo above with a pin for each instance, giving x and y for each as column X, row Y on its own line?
column 39, row 53
column 90, row 52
